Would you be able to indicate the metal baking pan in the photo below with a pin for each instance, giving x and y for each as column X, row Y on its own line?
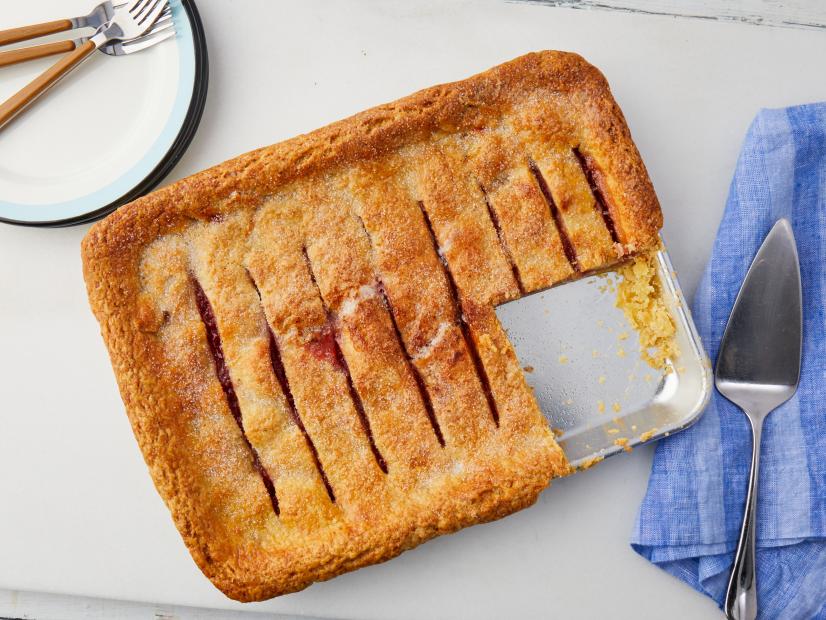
column 585, row 368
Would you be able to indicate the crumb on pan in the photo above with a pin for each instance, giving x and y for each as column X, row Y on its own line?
column 639, row 296
column 622, row 442
column 648, row 434
column 589, row 463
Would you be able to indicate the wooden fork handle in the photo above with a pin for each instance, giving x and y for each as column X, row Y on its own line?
column 13, row 35
column 23, row 54
column 14, row 105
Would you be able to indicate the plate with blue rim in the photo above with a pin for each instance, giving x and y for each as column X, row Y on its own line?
column 107, row 134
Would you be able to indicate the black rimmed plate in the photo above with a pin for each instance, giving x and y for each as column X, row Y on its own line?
column 109, row 133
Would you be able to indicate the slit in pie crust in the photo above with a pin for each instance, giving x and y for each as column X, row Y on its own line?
column 305, row 338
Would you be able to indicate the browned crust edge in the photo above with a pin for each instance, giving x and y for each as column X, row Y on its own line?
column 444, row 108
column 111, row 254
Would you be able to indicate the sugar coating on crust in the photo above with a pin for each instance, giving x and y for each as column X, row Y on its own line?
column 305, row 338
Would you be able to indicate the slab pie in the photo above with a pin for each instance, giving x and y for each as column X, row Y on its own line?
column 305, row 339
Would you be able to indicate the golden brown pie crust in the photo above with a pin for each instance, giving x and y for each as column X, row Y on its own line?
column 344, row 282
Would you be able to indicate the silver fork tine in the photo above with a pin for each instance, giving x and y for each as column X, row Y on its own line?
column 151, row 34
column 135, row 6
column 154, row 12
column 148, row 41
column 146, row 9
column 167, row 11
column 162, row 30
column 163, row 20
column 160, row 26
column 139, row 9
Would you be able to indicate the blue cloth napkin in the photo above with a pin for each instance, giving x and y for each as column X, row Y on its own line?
column 689, row 520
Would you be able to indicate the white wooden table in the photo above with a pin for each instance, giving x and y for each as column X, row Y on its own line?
column 689, row 74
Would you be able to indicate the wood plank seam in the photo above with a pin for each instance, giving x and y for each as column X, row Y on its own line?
column 788, row 14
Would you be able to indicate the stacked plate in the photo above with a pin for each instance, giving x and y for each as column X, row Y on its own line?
column 107, row 134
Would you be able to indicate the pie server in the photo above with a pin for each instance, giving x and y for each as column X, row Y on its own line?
column 758, row 369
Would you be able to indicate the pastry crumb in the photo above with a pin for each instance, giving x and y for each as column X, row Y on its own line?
column 591, row 462
column 648, row 434
column 587, row 464
column 621, row 352
column 622, row 442
column 563, row 359
column 639, row 296
column 601, row 406
column 612, row 431
column 602, row 379
column 528, row 368
column 616, row 407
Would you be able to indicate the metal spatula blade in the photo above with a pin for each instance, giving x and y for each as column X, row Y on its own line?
column 758, row 369
column 763, row 337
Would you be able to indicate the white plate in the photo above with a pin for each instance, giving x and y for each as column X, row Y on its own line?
column 105, row 131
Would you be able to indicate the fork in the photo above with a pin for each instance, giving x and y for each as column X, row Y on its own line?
column 98, row 16
column 162, row 30
column 152, row 37
column 128, row 22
